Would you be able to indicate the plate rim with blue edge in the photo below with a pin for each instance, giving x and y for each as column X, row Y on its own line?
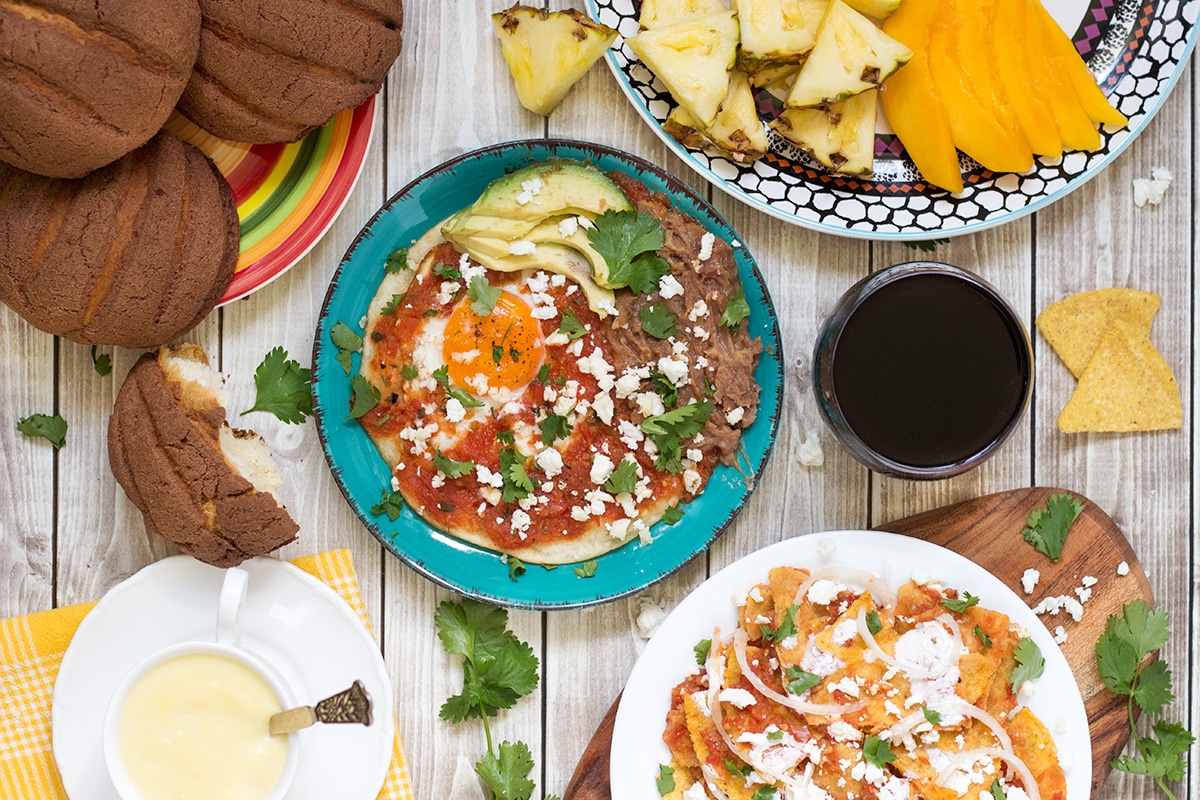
column 1121, row 56
column 362, row 475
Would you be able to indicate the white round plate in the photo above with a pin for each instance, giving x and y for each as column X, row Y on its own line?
column 1135, row 49
column 638, row 748
column 290, row 620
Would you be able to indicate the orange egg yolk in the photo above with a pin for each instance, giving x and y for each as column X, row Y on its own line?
column 504, row 347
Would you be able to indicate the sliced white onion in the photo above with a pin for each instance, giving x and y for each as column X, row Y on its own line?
column 883, row 594
column 965, row 709
column 711, row 778
column 952, row 624
column 969, row 756
column 791, row 701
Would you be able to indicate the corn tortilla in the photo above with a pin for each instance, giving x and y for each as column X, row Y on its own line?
column 1075, row 325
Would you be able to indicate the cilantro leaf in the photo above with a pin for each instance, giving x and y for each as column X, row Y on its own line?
column 442, row 376
column 517, row 484
column 786, row 628
column 984, row 639
column 1161, row 758
column 799, row 681
column 926, row 246
column 543, row 373
column 506, row 437
column 391, row 305
column 391, row 504
column 668, row 429
column 672, row 514
column 554, row 426
column 965, row 601
column 396, row 261
column 587, row 569
column 483, row 296
column 877, row 752
column 1030, row 663
column 570, row 326
column 1143, row 629
column 997, row 791
column 516, row 568
column 765, row 792
column 51, row 428
column 661, row 384
column 775, row 735
column 283, row 388
column 507, row 775
column 1047, row 527
column 451, row 468
column 1153, row 691
column 347, row 342
column 701, row 650
column 101, row 363
column 623, row 479
column 447, row 271
column 658, row 321
column 932, row 716
column 743, row 771
column 409, row 372
column 736, row 310
column 874, row 626
column 627, row 241
column 665, row 780
column 366, row 397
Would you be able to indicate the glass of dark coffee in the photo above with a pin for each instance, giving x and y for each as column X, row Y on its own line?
column 922, row 371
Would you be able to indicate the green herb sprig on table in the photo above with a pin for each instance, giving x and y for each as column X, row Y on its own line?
column 52, row 428
column 283, row 388
column 1120, row 652
column 498, row 670
column 1047, row 527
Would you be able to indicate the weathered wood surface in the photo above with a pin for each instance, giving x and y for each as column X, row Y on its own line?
column 67, row 533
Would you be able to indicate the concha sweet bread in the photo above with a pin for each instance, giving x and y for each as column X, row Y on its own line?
column 198, row 482
column 135, row 254
column 272, row 70
column 83, row 82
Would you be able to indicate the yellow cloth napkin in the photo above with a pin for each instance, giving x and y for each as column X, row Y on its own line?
column 31, row 651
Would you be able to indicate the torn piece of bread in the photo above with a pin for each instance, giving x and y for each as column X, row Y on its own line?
column 199, row 483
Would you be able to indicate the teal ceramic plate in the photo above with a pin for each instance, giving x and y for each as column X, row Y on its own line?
column 362, row 474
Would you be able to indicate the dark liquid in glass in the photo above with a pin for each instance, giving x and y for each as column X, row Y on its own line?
column 928, row 370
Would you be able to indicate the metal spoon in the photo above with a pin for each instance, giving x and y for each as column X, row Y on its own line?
column 351, row 705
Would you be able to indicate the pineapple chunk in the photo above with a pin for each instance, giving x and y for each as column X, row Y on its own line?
column 737, row 132
column 777, row 32
column 775, row 77
column 693, row 58
column 657, row 13
column 840, row 136
column 851, row 55
column 548, row 51
column 879, row 9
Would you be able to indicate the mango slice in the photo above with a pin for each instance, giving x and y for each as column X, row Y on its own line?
column 911, row 103
column 1013, row 67
column 1068, row 62
column 1076, row 128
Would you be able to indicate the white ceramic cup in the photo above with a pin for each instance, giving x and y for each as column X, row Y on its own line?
column 227, row 645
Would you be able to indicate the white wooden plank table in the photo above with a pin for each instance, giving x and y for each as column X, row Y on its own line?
column 67, row 532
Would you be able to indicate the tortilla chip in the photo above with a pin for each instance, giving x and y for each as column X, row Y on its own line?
column 1074, row 326
column 1127, row 386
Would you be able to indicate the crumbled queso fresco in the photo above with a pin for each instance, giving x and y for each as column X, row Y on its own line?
column 1152, row 190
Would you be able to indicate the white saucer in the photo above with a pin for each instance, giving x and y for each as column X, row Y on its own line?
column 290, row 619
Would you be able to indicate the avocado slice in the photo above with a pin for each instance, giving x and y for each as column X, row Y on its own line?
column 556, row 188
column 551, row 257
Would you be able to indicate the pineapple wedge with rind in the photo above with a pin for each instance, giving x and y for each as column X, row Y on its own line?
column 693, row 58
column 737, row 133
column 548, row 51
column 850, row 56
column 657, row 13
column 840, row 136
column 777, row 33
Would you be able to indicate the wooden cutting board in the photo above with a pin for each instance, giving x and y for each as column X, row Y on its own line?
column 987, row 530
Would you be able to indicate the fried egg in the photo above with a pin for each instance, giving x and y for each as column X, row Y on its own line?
column 502, row 350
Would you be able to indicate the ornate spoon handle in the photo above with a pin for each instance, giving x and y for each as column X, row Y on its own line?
column 351, row 705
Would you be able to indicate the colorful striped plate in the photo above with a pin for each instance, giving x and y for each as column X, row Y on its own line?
column 287, row 194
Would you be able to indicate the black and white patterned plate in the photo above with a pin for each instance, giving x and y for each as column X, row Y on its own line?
column 1136, row 49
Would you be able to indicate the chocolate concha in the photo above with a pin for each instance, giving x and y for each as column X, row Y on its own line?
column 272, row 70
column 83, row 82
column 135, row 254
column 199, row 483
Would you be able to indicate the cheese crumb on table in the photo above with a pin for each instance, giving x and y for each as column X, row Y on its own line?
column 1123, row 568
column 1152, row 190
column 810, row 453
column 1029, row 580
